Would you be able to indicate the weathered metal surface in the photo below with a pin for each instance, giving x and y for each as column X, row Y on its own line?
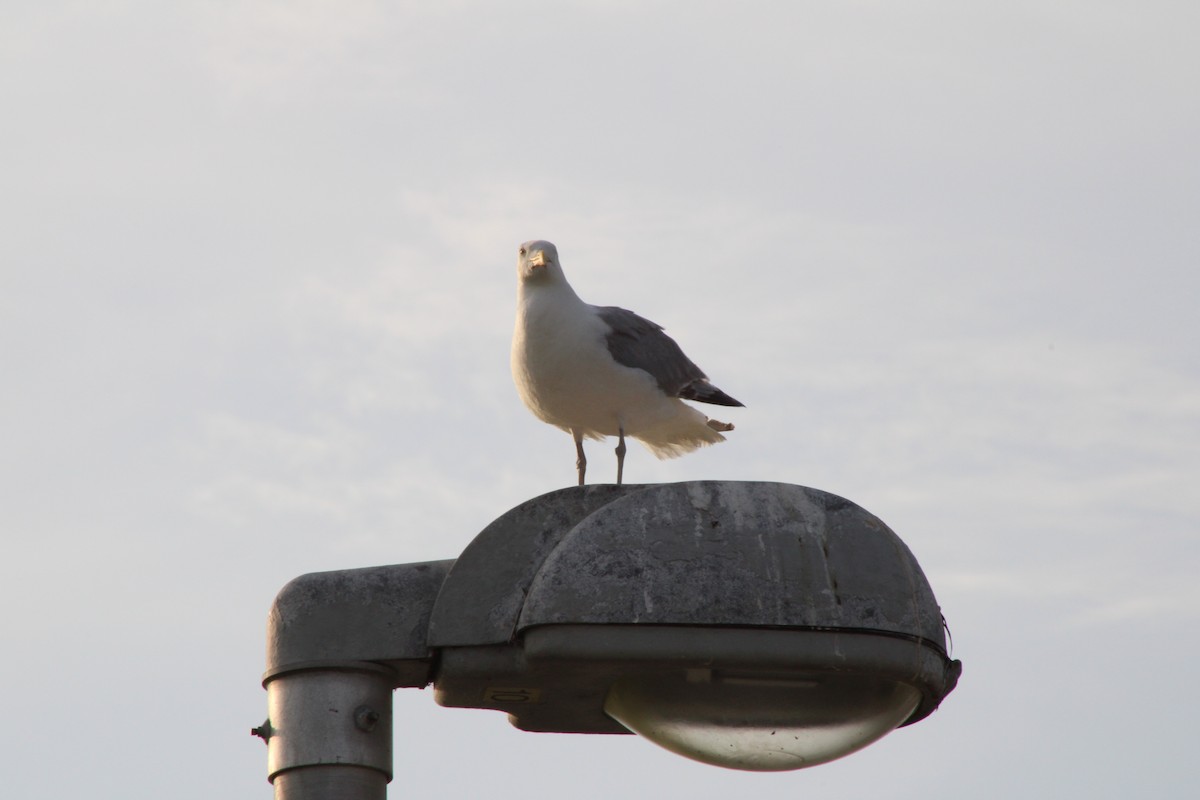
column 482, row 597
column 726, row 553
column 334, row 716
column 372, row 614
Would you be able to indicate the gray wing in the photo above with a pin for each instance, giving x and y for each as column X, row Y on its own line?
column 637, row 342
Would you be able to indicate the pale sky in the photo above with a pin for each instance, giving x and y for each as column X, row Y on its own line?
column 257, row 283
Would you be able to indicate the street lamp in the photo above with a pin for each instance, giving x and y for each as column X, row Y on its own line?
column 759, row 626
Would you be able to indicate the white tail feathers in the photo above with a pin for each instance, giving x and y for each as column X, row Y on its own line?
column 683, row 434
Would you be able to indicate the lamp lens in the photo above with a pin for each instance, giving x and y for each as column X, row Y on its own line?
column 761, row 723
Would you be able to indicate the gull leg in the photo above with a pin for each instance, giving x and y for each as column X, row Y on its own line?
column 580, row 458
column 620, row 454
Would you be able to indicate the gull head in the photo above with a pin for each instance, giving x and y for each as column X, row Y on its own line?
column 538, row 261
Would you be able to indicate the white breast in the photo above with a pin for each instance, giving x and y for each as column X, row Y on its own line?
column 566, row 376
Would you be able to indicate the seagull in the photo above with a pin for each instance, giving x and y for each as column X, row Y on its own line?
column 597, row 371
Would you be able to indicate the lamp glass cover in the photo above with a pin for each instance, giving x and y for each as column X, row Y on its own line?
column 761, row 723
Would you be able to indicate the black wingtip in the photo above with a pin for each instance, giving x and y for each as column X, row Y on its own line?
column 705, row 392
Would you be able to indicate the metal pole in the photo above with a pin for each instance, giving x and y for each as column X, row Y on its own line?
column 329, row 731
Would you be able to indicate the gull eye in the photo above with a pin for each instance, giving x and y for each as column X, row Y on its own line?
column 521, row 251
